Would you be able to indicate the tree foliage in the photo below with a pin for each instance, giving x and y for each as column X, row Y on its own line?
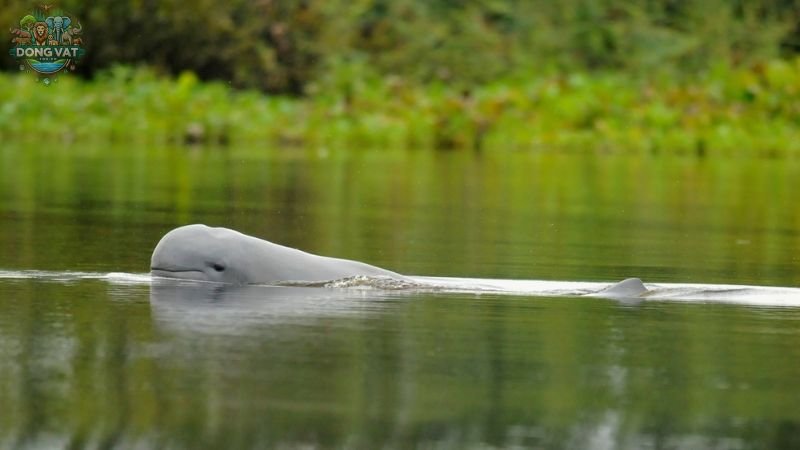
column 286, row 45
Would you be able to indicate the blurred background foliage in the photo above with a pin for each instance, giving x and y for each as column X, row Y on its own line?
column 288, row 45
column 697, row 75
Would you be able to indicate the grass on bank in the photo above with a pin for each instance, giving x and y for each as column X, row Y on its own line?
column 754, row 109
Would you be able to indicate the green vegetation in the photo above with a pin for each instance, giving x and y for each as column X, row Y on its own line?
column 640, row 75
column 725, row 110
column 285, row 46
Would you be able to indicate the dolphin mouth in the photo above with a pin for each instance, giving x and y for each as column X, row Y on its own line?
column 172, row 272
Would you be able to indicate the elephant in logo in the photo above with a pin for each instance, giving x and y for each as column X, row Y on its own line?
column 58, row 26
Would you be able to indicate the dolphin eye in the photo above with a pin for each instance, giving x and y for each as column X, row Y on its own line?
column 218, row 267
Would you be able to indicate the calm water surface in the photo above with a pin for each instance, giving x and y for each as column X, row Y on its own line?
column 110, row 363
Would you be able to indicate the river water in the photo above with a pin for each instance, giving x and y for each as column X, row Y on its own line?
column 95, row 355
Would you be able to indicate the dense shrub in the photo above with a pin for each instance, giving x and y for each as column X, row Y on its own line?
column 283, row 45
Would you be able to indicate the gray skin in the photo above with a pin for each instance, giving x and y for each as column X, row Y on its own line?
column 627, row 288
column 202, row 253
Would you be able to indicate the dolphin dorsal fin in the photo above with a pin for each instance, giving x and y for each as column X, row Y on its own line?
column 629, row 287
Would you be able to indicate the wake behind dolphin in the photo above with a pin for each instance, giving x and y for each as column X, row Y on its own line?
column 223, row 257
column 228, row 258
column 197, row 253
column 220, row 255
column 381, row 287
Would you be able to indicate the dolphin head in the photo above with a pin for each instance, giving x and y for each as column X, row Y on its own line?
column 220, row 255
column 202, row 253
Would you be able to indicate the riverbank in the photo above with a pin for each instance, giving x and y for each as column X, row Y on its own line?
column 751, row 110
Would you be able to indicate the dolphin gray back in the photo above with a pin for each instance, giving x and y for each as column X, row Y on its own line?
column 627, row 288
column 274, row 262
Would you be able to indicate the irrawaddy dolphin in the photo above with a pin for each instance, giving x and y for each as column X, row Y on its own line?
column 202, row 253
column 199, row 252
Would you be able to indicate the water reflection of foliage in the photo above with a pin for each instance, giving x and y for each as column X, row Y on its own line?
column 540, row 215
column 86, row 365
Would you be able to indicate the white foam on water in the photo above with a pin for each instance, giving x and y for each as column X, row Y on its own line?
column 128, row 278
column 73, row 276
column 514, row 287
column 685, row 292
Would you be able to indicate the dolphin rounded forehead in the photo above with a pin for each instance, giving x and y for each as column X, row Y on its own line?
column 201, row 242
column 191, row 233
column 183, row 243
